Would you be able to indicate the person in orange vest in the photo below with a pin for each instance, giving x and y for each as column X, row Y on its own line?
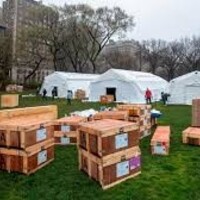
column 148, row 96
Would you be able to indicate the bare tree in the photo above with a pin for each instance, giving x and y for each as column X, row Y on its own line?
column 5, row 59
column 191, row 53
column 152, row 53
column 172, row 58
column 93, row 29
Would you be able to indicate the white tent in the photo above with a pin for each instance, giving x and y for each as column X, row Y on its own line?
column 127, row 86
column 67, row 81
column 185, row 88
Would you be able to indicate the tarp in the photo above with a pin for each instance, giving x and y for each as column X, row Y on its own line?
column 67, row 81
column 130, row 85
column 184, row 88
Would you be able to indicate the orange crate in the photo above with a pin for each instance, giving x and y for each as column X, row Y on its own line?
column 191, row 136
column 9, row 100
column 196, row 113
column 106, row 99
column 160, row 141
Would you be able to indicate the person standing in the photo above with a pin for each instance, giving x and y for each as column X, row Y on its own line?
column 69, row 97
column 148, row 96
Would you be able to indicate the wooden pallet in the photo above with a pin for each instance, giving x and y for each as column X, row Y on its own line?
column 9, row 100
column 21, row 129
column 117, row 115
column 66, row 130
column 191, row 136
column 27, row 161
column 104, row 137
column 112, row 169
column 160, row 141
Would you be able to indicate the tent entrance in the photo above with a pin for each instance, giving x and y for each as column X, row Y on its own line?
column 111, row 91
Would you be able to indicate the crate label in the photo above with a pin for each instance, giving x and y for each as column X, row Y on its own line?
column 121, row 141
column 65, row 128
column 65, row 140
column 122, row 169
column 42, row 157
column 41, row 134
column 134, row 162
column 160, row 149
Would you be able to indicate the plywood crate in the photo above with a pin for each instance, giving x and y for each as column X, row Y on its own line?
column 66, row 129
column 27, row 161
column 9, row 100
column 196, row 113
column 191, row 136
column 112, row 169
column 106, row 99
column 22, row 128
column 80, row 94
column 118, row 115
column 135, row 109
column 104, row 137
column 160, row 142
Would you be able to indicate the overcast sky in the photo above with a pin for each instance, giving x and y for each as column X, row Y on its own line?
column 159, row 19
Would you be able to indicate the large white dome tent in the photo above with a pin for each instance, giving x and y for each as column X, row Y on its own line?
column 184, row 88
column 64, row 81
column 127, row 86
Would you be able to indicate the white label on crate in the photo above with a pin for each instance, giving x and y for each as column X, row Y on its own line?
column 121, row 141
column 65, row 128
column 122, row 169
column 160, row 149
column 41, row 134
column 42, row 157
column 65, row 140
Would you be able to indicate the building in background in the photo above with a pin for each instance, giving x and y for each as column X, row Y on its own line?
column 16, row 17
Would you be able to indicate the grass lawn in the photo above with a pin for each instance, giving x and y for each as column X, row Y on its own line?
column 174, row 177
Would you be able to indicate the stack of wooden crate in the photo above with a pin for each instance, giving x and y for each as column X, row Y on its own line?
column 26, row 138
column 109, row 151
column 106, row 99
column 140, row 114
column 117, row 115
column 160, row 142
column 66, row 130
column 80, row 94
column 192, row 134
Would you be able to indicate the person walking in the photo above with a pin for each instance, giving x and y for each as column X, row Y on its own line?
column 44, row 94
column 69, row 97
column 148, row 96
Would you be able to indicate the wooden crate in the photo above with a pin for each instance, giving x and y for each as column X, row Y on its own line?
column 196, row 113
column 118, row 115
column 39, row 112
column 104, row 137
column 160, row 141
column 191, row 136
column 27, row 161
column 135, row 109
column 66, row 130
column 9, row 100
column 23, row 128
column 112, row 169
column 106, row 99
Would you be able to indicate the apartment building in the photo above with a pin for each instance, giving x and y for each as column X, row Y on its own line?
column 17, row 17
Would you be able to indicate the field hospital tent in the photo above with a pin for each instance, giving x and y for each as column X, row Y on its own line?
column 184, row 88
column 67, row 81
column 127, row 86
